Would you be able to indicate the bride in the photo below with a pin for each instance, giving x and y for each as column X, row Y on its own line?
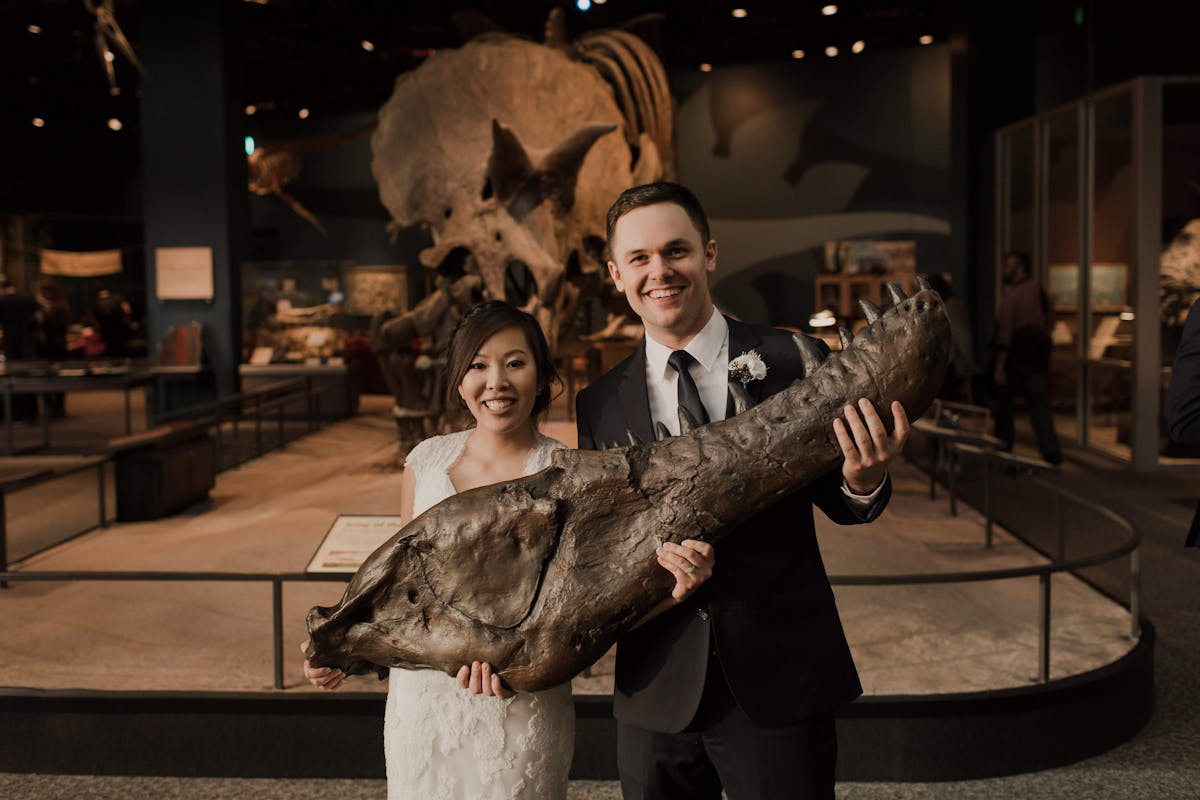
column 469, row 736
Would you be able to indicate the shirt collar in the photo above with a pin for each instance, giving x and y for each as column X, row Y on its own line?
column 705, row 346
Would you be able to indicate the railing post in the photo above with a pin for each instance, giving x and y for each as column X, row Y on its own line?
column 951, row 465
column 277, row 608
column 103, row 502
column 1044, row 629
column 3, row 539
column 935, row 453
column 258, row 451
column 987, row 500
column 1058, row 526
column 1135, row 592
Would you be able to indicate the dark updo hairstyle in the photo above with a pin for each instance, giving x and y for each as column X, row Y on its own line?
column 482, row 323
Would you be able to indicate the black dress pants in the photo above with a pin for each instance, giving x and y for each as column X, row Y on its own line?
column 722, row 747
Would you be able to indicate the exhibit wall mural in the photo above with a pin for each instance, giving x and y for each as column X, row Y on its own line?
column 789, row 156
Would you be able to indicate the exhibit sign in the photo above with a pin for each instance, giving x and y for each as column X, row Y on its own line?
column 183, row 273
column 372, row 289
column 349, row 541
column 80, row 265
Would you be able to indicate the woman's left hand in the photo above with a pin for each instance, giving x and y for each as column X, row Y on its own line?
column 479, row 679
column 691, row 562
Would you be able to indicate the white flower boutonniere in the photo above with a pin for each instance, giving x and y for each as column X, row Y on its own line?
column 747, row 367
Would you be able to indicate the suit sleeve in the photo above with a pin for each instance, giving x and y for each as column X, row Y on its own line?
column 829, row 497
column 1183, row 395
column 583, row 424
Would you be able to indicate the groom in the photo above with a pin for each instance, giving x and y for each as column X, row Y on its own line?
column 736, row 686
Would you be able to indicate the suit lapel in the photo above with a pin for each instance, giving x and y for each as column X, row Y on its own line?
column 742, row 339
column 635, row 398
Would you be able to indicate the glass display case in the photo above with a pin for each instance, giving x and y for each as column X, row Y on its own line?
column 1101, row 194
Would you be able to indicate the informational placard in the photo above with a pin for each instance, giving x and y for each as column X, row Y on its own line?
column 183, row 273
column 350, row 539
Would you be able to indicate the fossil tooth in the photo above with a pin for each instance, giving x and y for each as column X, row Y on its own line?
column 810, row 353
column 633, row 439
column 687, row 423
column 661, row 432
column 870, row 311
column 923, row 284
column 742, row 401
column 896, row 292
column 846, row 338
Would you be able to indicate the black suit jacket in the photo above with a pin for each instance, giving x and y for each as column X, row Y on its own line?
column 768, row 607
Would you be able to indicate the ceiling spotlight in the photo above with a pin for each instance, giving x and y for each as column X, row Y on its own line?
column 599, row 2
column 302, row 113
column 251, row 110
column 114, row 124
column 583, row 5
column 829, row 10
column 797, row 54
column 926, row 39
column 858, row 47
column 831, row 51
column 368, row 45
column 706, row 67
column 108, row 56
column 249, row 142
column 38, row 122
column 739, row 13
column 34, row 29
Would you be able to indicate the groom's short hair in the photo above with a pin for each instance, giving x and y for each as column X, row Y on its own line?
column 649, row 194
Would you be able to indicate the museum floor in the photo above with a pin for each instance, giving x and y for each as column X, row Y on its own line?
column 270, row 514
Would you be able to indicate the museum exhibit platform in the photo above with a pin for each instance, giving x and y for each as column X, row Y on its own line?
column 176, row 673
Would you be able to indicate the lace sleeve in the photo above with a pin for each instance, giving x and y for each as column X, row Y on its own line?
column 419, row 457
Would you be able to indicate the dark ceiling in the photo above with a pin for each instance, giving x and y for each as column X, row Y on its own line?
column 310, row 53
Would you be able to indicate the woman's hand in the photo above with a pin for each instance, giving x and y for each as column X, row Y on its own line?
column 328, row 678
column 479, row 679
column 690, row 561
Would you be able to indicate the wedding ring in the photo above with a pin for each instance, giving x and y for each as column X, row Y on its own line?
column 690, row 569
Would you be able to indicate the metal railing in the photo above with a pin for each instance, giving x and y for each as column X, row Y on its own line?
column 1059, row 562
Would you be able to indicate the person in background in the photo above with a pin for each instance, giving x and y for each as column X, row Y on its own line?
column 18, row 316
column 114, row 321
column 1183, row 397
column 54, row 316
column 956, row 386
column 1022, row 344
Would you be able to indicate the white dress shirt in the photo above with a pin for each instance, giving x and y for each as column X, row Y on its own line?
column 710, row 370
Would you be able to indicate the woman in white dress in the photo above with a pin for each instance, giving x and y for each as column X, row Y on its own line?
column 469, row 736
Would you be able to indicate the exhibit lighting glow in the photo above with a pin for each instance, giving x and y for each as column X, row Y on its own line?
column 108, row 56
column 38, row 122
column 251, row 109
column 797, row 54
column 926, row 39
column 822, row 319
column 599, row 2
column 302, row 113
column 829, row 10
column 583, row 5
column 739, row 13
column 858, row 46
column 249, row 145
column 368, row 45
column 1127, row 316
column 35, row 29
column 831, row 51
column 706, row 67
column 114, row 124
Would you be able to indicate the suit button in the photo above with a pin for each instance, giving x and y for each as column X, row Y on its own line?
column 702, row 613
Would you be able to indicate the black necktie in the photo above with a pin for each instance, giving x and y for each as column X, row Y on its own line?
column 689, row 395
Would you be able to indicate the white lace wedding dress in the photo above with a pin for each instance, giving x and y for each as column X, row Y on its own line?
column 444, row 743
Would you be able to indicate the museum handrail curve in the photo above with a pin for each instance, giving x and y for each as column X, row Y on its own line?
column 1058, row 564
column 274, row 396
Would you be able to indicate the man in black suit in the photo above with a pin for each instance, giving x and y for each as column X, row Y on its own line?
column 735, row 686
